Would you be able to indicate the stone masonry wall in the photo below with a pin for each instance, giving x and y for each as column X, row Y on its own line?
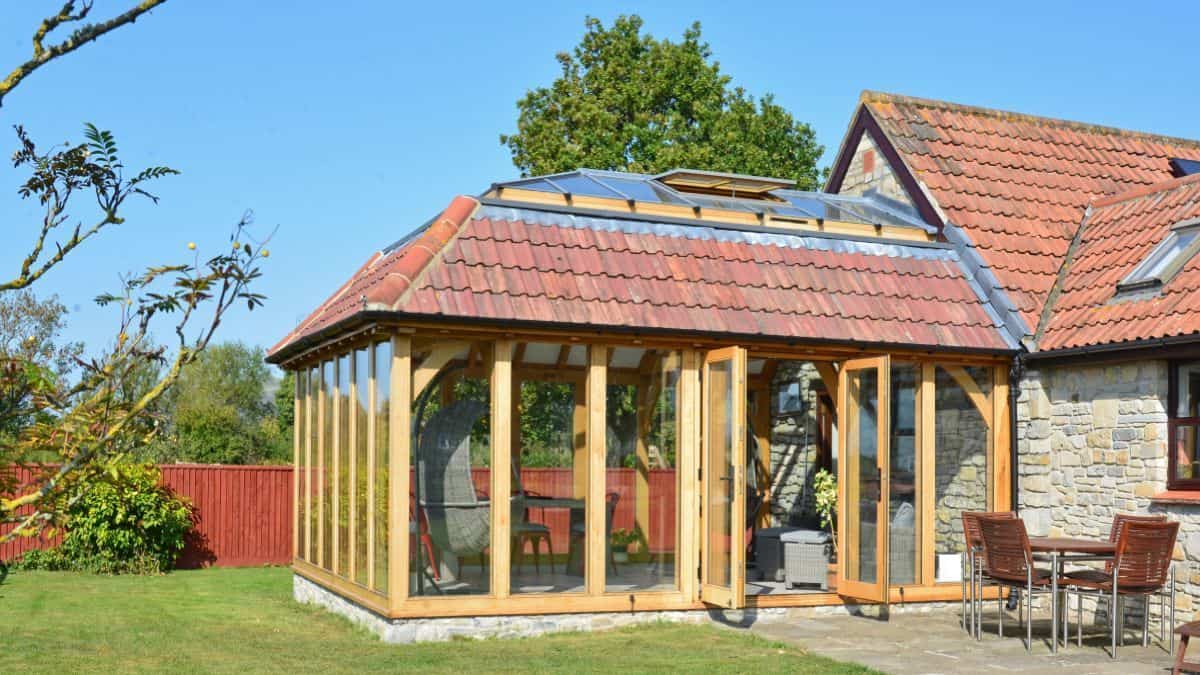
column 794, row 448
column 869, row 172
column 1092, row 443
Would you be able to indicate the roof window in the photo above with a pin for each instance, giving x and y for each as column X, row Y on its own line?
column 1166, row 259
column 1181, row 167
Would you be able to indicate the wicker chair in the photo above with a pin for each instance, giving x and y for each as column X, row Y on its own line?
column 1008, row 560
column 973, row 575
column 1141, row 567
column 459, row 521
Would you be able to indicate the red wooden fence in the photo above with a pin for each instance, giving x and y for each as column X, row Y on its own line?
column 243, row 515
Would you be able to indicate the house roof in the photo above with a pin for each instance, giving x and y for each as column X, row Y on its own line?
column 1117, row 236
column 1018, row 184
column 494, row 261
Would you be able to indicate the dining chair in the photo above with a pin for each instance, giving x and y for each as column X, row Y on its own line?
column 1141, row 567
column 973, row 572
column 1008, row 560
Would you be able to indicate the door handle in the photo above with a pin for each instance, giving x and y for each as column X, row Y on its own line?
column 878, row 484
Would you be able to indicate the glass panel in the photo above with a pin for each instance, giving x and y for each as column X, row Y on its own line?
column 1186, row 465
column 1188, row 393
column 327, row 521
column 343, row 465
column 452, row 480
column 362, row 475
column 579, row 184
column 301, row 460
column 313, row 477
column 550, row 475
column 961, row 442
column 1166, row 253
column 383, row 389
column 862, row 462
column 719, row 473
column 792, row 417
column 904, row 548
column 640, row 477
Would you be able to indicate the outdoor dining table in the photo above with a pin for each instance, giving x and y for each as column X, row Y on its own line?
column 1062, row 550
column 576, row 506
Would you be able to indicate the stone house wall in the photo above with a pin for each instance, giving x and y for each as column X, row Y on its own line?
column 794, row 447
column 1092, row 442
column 870, row 173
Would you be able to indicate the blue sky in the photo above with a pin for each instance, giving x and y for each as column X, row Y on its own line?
column 347, row 124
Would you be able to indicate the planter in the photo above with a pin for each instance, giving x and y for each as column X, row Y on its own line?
column 831, row 576
column 620, row 556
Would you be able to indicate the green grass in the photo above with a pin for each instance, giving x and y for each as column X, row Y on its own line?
column 239, row 620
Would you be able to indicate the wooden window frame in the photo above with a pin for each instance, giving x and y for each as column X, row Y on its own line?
column 1173, row 424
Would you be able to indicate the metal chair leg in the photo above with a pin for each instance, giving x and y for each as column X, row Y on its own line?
column 1146, row 621
column 1079, row 619
column 999, row 606
column 1171, row 628
column 1029, row 619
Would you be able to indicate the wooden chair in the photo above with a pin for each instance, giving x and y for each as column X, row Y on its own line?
column 1008, row 560
column 1186, row 632
column 973, row 576
column 524, row 530
column 1141, row 567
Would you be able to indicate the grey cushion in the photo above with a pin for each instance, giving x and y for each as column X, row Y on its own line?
column 806, row 537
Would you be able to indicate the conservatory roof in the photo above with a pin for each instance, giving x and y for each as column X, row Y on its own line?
column 560, row 265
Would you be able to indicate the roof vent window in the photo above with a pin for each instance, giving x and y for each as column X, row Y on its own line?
column 715, row 183
column 1165, row 261
column 1181, row 167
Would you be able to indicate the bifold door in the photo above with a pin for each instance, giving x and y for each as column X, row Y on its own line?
column 863, row 390
column 723, row 478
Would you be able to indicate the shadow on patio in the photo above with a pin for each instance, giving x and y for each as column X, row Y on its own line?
column 935, row 643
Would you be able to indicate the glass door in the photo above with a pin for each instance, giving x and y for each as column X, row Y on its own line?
column 863, row 393
column 722, row 479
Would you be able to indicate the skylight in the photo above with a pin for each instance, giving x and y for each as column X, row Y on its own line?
column 1166, row 259
column 1184, row 167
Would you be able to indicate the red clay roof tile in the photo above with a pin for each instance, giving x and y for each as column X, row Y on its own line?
column 1019, row 176
column 1119, row 234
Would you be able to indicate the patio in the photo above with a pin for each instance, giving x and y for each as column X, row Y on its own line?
column 933, row 642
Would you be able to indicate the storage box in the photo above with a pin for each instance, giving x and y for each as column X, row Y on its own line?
column 806, row 556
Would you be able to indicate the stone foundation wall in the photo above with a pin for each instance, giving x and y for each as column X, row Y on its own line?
column 1092, row 443
column 403, row 631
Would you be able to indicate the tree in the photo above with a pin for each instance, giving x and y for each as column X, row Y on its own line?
column 219, row 411
column 30, row 332
column 90, row 425
column 627, row 101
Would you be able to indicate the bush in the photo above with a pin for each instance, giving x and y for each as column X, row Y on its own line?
column 127, row 523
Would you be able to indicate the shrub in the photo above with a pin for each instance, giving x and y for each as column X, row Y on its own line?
column 126, row 523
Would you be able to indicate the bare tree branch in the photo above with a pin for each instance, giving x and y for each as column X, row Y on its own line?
column 85, row 34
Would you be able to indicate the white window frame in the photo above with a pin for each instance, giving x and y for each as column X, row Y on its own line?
column 1138, row 280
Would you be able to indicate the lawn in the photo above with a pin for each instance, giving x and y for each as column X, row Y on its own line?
column 239, row 620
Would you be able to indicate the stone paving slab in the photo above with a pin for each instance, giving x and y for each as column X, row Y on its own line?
column 929, row 644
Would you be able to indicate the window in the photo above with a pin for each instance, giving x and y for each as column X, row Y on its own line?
column 1166, row 259
column 1183, row 426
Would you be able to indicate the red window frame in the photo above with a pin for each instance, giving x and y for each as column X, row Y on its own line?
column 1173, row 425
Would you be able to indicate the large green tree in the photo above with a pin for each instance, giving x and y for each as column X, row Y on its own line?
column 628, row 101
column 220, row 411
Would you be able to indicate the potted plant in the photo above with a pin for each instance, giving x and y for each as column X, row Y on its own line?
column 620, row 539
column 825, row 492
